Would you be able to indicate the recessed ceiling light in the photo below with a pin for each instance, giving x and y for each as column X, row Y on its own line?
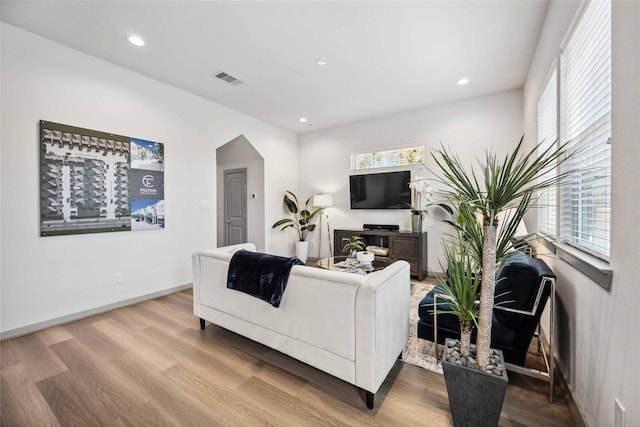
column 303, row 120
column 135, row 40
column 463, row 81
column 321, row 61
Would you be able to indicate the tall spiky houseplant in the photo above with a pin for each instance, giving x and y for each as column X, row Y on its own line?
column 460, row 287
column 498, row 186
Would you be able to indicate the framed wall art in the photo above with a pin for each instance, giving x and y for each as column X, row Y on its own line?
column 95, row 182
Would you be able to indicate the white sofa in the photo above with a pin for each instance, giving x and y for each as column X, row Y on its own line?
column 349, row 325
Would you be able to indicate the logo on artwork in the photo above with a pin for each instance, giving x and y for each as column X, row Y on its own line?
column 147, row 181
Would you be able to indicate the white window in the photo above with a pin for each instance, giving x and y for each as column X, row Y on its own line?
column 547, row 137
column 387, row 158
column 585, row 122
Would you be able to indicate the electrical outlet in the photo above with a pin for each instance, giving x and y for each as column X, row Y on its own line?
column 117, row 278
column 619, row 417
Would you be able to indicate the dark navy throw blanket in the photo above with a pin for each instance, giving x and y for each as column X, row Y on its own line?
column 261, row 275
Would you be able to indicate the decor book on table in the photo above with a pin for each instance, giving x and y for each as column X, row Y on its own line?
column 95, row 182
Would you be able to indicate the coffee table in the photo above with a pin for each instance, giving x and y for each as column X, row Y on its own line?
column 348, row 264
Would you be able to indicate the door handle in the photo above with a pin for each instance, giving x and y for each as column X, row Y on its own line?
column 228, row 221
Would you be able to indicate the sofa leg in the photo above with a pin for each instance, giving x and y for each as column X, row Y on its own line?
column 369, row 397
column 201, row 323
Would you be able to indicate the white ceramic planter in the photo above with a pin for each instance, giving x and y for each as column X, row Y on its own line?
column 365, row 258
column 302, row 250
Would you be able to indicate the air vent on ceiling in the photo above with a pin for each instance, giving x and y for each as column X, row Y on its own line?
column 227, row 78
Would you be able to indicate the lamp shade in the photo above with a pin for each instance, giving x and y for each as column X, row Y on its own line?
column 521, row 229
column 322, row 200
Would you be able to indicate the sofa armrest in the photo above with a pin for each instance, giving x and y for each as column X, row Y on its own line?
column 545, row 281
column 223, row 254
column 382, row 323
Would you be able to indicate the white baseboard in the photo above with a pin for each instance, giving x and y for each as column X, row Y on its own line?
column 23, row 330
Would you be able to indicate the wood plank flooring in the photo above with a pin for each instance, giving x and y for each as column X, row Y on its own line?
column 150, row 365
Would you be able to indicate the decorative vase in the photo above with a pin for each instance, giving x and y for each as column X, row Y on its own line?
column 365, row 258
column 475, row 396
column 416, row 223
column 302, row 250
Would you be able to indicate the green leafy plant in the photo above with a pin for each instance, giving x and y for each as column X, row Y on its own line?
column 498, row 186
column 353, row 244
column 302, row 218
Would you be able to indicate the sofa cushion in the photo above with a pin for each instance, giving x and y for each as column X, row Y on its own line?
column 517, row 281
column 448, row 321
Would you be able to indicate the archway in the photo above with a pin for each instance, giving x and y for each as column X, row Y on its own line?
column 236, row 154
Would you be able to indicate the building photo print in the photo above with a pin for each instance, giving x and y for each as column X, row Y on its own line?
column 147, row 214
column 84, row 181
column 95, row 182
column 147, row 185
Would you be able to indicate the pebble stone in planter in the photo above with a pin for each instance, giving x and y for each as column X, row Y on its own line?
column 475, row 394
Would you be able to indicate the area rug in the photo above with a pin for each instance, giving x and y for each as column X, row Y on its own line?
column 419, row 352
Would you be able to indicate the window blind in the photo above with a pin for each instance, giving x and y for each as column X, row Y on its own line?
column 547, row 136
column 586, row 124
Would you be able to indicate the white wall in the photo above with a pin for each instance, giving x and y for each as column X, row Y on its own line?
column 467, row 127
column 599, row 344
column 48, row 278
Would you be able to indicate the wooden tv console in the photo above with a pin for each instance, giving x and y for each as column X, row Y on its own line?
column 405, row 245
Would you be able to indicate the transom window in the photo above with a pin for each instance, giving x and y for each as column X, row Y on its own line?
column 387, row 158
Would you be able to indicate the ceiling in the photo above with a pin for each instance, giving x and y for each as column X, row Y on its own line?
column 381, row 57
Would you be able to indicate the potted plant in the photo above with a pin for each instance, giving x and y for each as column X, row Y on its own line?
column 507, row 184
column 352, row 245
column 420, row 191
column 475, row 396
column 365, row 258
column 301, row 222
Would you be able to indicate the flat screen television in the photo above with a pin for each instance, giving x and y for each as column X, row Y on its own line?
column 388, row 190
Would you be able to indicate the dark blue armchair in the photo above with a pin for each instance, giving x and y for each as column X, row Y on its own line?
column 523, row 286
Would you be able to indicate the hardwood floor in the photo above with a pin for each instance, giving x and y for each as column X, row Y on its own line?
column 150, row 364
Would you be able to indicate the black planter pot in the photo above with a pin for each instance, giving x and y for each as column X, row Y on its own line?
column 475, row 396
